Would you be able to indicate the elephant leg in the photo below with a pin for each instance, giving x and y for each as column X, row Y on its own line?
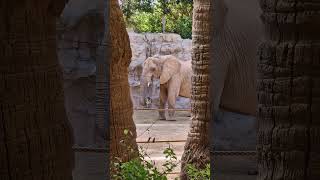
column 172, row 96
column 171, row 104
column 163, row 101
column 189, row 112
column 173, row 92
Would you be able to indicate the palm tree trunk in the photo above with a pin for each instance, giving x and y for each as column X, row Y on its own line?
column 288, row 91
column 121, row 107
column 196, row 150
column 35, row 134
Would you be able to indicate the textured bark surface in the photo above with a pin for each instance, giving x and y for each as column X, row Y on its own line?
column 35, row 135
column 121, row 109
column 197, row 145
column 288, row 91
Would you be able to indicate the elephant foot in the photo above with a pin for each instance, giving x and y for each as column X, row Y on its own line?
column 162, row 118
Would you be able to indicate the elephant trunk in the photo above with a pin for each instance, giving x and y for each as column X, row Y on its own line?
column 146, row 92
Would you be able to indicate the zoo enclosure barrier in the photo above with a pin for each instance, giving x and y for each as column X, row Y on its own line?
column 78, row 148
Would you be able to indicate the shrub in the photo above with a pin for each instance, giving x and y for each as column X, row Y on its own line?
column 194, row 173
column 141, row 168
column 184, row 27
column 146, row 22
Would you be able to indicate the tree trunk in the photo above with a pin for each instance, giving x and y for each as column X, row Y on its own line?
column 35, row 134
column 288, row 91
column 121, row 107
column 196, row 150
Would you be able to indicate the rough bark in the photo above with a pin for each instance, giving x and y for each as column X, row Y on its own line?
column 196, row 150
column 288, row 91
column 121, row 107
column 35, row 135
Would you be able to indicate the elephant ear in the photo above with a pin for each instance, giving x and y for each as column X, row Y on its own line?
column 171, row 66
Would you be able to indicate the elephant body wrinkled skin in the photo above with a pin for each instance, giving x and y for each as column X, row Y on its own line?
column 175, row 80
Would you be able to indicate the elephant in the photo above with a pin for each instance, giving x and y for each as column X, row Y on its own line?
column 175, row 80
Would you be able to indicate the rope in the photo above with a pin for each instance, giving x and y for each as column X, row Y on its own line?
column 161, row 141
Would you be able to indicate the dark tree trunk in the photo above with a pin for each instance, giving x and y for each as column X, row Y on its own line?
column 35, row 134
column 121, row 107
column 289, row 91
column 196, row 150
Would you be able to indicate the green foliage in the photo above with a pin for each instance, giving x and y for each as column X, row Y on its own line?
column 141, row 168
column 146, row 15
column 194, row 173
column 146, row 22
column 184, row 27
column 128, row 7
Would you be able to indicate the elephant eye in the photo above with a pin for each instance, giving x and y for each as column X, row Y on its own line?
column 152, row 68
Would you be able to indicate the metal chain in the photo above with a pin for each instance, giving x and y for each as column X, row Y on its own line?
column 234, row 153
column 216, row 153
column 77, row 148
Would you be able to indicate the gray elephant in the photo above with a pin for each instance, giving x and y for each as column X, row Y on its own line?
column 233, row 73
column 175, row 80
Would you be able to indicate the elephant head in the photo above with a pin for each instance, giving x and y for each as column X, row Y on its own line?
column 157, row 67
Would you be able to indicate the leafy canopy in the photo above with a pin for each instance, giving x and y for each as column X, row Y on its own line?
column 146, row 15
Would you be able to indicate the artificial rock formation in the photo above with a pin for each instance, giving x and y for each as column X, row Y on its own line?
column 35, row 134
column 289, row 106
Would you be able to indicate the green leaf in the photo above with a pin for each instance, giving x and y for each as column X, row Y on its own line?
column 125, row 132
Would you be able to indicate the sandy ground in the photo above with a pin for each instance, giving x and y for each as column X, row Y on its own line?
column 90, row 166
column 227, row 167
